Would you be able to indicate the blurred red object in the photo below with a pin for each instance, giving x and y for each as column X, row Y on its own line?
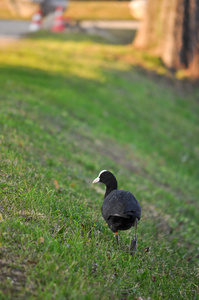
column 58, row 24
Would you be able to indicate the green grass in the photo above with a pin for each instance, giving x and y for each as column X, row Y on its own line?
column 70, row 106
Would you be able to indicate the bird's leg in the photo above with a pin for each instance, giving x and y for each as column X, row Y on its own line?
column 133, row 246
column 117, row 237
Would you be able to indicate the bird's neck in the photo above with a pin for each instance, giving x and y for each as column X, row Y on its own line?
column 110, row 187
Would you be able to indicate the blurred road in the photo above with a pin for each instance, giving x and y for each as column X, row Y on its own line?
column 115, row 31
column 13, row 28
column 16, row 28
column 111, row 24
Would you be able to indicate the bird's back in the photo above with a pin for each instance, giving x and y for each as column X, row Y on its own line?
column 121, row 203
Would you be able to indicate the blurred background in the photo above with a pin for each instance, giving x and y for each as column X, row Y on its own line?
column 169, row 29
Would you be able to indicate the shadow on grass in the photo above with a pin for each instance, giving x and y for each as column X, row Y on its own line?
column 36, row 77
column 68, row 36
column 54, row 84
column 94, row 34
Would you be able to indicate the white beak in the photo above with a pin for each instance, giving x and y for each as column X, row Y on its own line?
column 96, row 180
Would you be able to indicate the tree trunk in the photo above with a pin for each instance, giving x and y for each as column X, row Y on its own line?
column 171, row 28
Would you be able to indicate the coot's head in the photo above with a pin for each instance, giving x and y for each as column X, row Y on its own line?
column 107, row 178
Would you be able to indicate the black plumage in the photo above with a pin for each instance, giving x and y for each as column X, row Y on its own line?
column 120, row 208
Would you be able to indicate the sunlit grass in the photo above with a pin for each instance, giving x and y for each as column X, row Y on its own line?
column 77, row 10
column 53, row 63
column 102, row 55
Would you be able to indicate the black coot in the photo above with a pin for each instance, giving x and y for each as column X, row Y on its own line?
column 120, row 209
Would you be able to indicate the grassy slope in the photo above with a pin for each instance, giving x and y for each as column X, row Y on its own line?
column 71, row 106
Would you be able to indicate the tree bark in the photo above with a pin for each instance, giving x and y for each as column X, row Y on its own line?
column 171, row 29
